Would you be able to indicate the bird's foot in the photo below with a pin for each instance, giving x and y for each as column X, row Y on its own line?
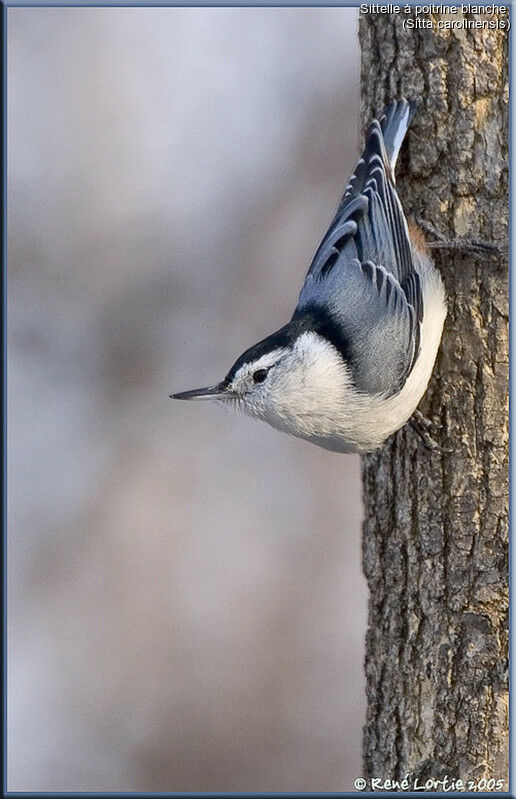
column 423, row 428
column 465, row 244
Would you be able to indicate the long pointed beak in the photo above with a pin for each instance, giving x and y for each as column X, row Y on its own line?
column 211, row 392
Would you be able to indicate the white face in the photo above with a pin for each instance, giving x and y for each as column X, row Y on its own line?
column 304, row 389
column 296, row 389
column 253, row 386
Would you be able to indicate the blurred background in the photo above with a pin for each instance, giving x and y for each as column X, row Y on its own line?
column 186, row 604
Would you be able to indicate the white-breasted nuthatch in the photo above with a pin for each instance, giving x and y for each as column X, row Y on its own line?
column 351, row 366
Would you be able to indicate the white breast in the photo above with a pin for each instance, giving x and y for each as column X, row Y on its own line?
column 390, row 414
column 329, row 412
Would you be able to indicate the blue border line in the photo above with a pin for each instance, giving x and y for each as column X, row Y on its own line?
column 5, row 4
column 235, row 4
column 166, row 4
column 251, row 795
column 512, row 667
column 330, row 795
column 3, row 138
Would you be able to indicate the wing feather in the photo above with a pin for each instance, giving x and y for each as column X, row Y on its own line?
column 363, row 271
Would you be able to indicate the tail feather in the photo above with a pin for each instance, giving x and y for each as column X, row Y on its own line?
column 394, row 123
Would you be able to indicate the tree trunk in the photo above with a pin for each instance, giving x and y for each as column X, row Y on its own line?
column 435, row 536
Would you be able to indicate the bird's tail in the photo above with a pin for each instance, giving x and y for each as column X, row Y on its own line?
column 394, row 122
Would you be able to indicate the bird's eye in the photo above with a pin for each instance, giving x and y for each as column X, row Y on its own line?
column 260, row 375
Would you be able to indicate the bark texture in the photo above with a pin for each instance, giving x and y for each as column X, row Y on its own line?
column 435, row 537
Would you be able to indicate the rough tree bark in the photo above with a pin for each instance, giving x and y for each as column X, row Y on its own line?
column 435, row 537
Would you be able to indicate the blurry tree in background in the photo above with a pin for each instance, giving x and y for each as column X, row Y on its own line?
column 436, row 533
column 185, row 589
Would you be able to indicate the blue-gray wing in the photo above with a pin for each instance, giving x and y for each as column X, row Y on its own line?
column 363, row 272
column 366, row 314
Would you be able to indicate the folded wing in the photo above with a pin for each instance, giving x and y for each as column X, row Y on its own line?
column 363, row 272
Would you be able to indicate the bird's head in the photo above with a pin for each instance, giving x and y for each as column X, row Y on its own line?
column 291, row 380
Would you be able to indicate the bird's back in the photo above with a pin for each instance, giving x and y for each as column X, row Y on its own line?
column 363, row 274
